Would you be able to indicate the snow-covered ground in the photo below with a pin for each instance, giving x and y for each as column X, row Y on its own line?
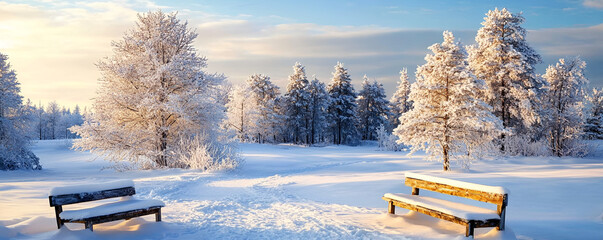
column 294, row 192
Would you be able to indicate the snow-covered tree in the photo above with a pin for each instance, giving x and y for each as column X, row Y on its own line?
column 297, row 100
column 373, row 109
column 14, row 123
column 342, row 109
column 399, row 102
column 242, row 112
column 53, row 115
column 264, row 95
column 505, row 61
column 564, row 100
column 155, row 99
column 594, row 122
column 447, row 120
column 319, row 103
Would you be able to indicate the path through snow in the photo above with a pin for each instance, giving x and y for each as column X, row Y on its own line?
column 293, row 192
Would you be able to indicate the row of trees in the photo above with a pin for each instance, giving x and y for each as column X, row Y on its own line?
column 54, row 121
column 465, row 102
column 310, row 112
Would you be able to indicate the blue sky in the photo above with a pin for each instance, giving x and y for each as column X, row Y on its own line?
column 429, row 14
column 54, row 45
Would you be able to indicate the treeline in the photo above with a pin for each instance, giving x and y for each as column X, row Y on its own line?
column 486, row 94
column 53, row 121
column 311, row 112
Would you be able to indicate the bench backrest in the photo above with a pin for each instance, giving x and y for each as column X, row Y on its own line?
column 90, row 192
column 90, row 196
column 483, row 193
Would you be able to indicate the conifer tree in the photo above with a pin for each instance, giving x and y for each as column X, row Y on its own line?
column 505, row 61
column 594, row 121
column 343, row 108
column 319, row 103
column 447, row 120
column 14, row 123
column 373, row 109
column 297, row 100
column 399, row 102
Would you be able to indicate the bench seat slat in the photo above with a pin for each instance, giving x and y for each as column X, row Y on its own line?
column 460, row 210
column 110, row 208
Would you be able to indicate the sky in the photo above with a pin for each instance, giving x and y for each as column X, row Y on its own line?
column 54, row 45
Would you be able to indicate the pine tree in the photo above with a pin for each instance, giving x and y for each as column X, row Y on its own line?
column 264, row 95
column 503, row 58
column 594, row 123
column 447, row 117
column 565, row 101
column 373, row 109
column 343, row 108
column 155, row 98
column 297, row 100
column 399, row 102
column 14, row 123
column 319, row 103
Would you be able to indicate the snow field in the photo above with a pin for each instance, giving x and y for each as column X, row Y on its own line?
column 293, row 192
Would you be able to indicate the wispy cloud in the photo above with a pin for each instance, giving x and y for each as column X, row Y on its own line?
column 54, row 49
column 593, row 3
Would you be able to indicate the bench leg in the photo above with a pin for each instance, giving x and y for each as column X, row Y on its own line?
column 469, row 230
column 158, row 216
column 57, row 211
column 391, row 208
column 88, row 225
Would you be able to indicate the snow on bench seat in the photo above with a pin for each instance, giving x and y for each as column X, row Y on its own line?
column 110, row 208
column 460, row 184
column 56, row 191
column 452, row 208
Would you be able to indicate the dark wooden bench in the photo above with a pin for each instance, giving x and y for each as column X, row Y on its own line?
column 125, row 208
column 468, row 215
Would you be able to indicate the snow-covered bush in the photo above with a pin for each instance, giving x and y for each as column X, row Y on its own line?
column 521, row 145
column 387, row 141
column 201, row 152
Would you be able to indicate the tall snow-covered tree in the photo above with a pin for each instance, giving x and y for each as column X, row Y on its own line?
column 297, row 100
column 505, row 61
column 447, row 120
column 319, row 104
column 594, row 122
column 343, row 108
column 14, row 123
column 155, row 98
column 242, row 114
column 399, row 102
column 53, row 116
column 564, row 100
column 264, row 94
column 373, row 109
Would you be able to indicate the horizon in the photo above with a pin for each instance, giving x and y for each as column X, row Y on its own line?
column 53, row 45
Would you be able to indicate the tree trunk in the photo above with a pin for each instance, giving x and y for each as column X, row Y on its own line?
column 446, row 160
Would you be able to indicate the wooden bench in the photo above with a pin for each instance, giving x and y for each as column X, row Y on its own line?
column 468, row 215
column 125, row 208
